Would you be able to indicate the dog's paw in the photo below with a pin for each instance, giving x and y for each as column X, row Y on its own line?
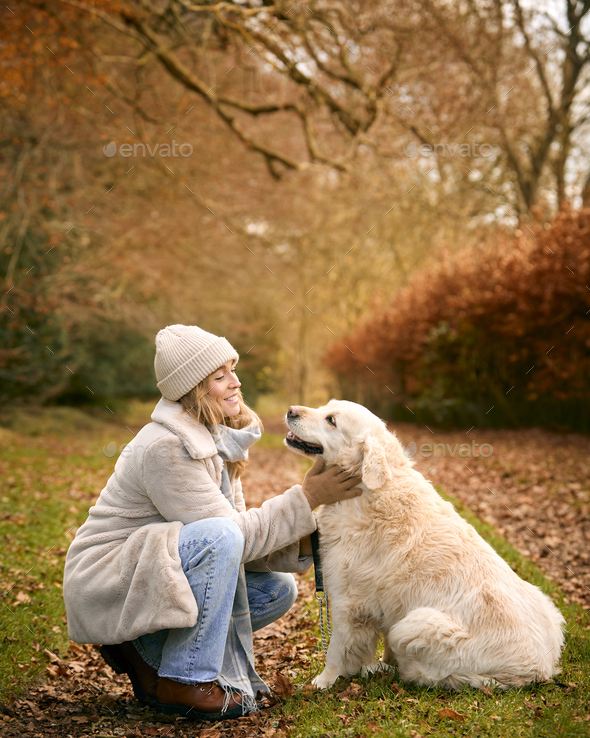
column 322, row 681
column 368, row 669
column 375, row 668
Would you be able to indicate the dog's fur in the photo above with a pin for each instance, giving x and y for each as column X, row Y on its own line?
column 400, row 560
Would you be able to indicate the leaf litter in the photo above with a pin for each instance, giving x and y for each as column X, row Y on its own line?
column 544, row 480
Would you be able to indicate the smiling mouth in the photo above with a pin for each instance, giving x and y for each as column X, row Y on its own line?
column 232, row 399
column 309, row 448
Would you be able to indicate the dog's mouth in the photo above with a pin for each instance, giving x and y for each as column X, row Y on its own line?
column 298, row 443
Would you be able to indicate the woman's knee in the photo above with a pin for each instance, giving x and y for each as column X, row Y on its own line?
column 276, row 586
column 288, row 589
column 224, row 534
column 270, row 596
column 231, row 537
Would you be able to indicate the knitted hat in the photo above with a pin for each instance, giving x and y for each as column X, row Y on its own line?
column 185, row 355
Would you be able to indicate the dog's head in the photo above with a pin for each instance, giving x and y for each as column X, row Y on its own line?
column 347, row 435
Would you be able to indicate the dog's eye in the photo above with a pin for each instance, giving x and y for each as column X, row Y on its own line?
column 331, row 420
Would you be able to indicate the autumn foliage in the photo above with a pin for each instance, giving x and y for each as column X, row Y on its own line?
column 301, row 201
column 503, row 326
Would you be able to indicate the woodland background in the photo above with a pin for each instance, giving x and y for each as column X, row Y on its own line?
column 307, row 225
column 387, row 202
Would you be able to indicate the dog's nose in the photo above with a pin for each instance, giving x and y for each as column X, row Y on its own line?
column 292, row 412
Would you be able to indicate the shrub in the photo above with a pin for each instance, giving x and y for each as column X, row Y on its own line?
column 504, row 326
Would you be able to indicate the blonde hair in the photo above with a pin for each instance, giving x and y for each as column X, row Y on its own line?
column 205, row 410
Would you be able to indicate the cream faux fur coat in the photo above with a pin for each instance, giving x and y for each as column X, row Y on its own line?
column 123, row 576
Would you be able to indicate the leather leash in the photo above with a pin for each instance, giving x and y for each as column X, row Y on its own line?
column 317, row 561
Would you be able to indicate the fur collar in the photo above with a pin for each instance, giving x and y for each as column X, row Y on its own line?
column 195, row 437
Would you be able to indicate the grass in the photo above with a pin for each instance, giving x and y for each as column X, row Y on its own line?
column 52, row 467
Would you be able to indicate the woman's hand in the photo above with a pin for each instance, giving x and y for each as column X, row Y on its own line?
column 305, row 548
column 322, row 487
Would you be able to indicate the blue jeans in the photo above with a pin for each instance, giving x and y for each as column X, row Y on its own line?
column 211, row 552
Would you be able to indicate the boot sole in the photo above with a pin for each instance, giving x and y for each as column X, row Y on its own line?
column 193, row 714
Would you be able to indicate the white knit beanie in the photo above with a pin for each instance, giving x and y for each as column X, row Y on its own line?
column 185, row 355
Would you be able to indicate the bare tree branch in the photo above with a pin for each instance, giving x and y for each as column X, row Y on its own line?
column 533, row 54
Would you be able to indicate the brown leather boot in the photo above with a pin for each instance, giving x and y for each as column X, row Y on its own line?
column 123, row 658
column 196, row 701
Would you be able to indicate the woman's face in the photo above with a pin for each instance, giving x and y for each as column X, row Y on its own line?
column 223, row 387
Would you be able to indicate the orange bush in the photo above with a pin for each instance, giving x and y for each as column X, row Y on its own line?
column 506, row 325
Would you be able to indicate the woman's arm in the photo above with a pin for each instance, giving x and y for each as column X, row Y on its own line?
column 295, row 557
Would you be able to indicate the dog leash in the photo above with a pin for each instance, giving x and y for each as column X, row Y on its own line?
column 320, row 593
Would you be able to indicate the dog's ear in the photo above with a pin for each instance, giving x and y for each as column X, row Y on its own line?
column 352, row 458
column 375, row 468
column 366, row 458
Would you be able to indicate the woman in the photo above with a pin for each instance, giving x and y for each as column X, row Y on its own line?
column 170, row 572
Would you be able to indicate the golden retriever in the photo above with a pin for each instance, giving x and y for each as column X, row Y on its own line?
column 400, row 561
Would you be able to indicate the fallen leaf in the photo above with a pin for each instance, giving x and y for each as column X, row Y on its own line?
column 21, row 598
column 283, row 686
column 6, row 709
column 353, row 690
column 486, row 690
column 52, row 657
column 448, row 712
column 52, row 670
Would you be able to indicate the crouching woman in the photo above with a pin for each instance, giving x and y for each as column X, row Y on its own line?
column 170, row 572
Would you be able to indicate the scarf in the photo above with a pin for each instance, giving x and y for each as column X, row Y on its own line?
column 237, row 670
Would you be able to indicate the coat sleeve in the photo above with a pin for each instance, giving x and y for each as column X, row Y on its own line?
column 182, row 489
column 285, row 559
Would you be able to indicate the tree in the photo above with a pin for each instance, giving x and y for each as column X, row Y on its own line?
column 544, row 57
column 312, row 46
column 297, row 117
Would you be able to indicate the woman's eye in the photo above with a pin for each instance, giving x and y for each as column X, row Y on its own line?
column 331, row 420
